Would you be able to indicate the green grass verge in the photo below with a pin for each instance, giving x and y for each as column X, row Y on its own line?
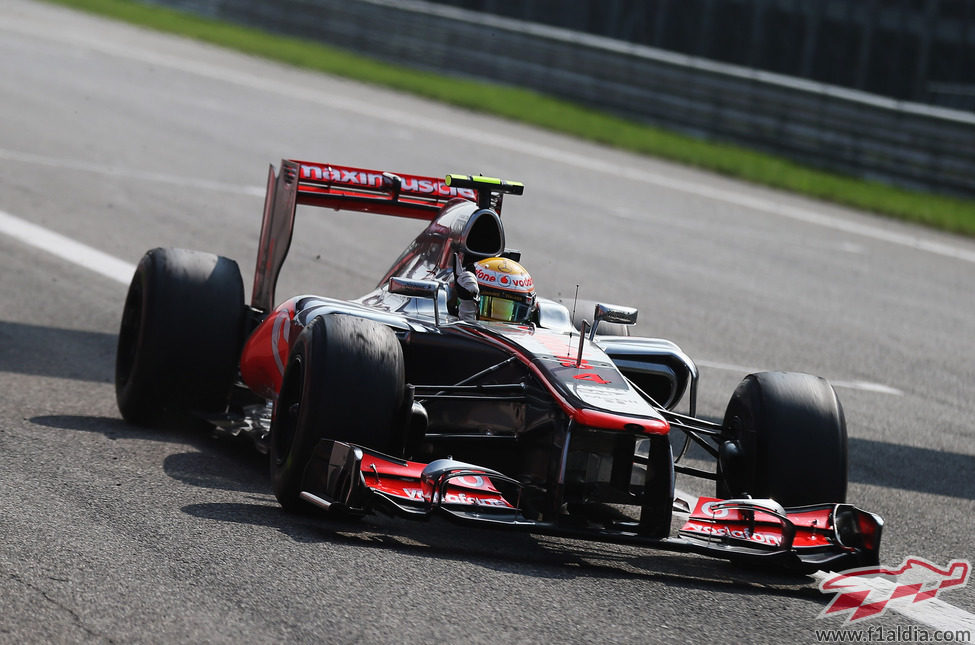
column 937, row 211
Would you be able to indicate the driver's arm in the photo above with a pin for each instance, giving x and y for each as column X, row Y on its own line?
column 465, row 284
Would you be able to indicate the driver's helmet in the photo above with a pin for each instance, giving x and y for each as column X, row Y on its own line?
column 507, row 293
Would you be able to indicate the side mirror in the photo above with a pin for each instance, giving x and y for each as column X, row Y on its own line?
column 612, row 314
column 419, row 289
column 414, row 288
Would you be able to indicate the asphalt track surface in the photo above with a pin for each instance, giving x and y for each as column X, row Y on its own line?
column 121, row 140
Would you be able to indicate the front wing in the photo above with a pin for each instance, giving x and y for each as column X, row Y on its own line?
column 355, row 480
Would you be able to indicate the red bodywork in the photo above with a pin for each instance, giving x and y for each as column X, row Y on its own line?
column 813, row 528
column 266, row 352
column 375, row 191
column 405, row 483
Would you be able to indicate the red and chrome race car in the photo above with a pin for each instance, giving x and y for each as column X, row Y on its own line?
column 393, row 403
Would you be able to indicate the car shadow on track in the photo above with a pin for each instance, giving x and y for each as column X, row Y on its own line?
column 232, row 465
column 68, row 353
column 512, row 552
column 222, row 463
column 894, row 466
column 891, row 465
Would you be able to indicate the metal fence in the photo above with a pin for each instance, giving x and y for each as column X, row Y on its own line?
column 826, row 126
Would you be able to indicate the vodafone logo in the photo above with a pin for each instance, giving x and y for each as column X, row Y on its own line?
column 516, row 282
column 484, row 276
column 708, row 509
column 768, row 539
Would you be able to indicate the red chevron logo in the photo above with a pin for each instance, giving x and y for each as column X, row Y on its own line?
column 868, row 592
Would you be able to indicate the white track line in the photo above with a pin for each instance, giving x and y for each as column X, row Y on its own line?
column 66, row 248
column 129, row 173
column 866, row 386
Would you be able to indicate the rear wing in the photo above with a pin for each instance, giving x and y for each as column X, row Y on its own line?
column 340, row 188
column 356, row 189
column 374, row 191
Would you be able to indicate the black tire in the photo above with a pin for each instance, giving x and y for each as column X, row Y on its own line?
column 180, row 338
column 784, row 438
column 345, row 381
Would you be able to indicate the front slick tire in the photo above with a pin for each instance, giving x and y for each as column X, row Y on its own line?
column 790, row 442
column 344, row 381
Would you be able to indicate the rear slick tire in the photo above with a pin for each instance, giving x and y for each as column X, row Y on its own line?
column 784, row 438
column 344, row 381
column 180, row 337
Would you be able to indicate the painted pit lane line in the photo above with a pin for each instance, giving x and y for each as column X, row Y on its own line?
column 66, row 248
column 766, row 205
column 121, row 272
column 866, row 386
column 129, row 173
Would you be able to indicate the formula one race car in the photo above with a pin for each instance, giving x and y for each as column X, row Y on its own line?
column 394, row 403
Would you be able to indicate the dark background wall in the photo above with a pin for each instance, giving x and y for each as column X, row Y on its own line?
column 916, row 50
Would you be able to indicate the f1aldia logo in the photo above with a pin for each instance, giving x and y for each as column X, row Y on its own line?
column 868, row 592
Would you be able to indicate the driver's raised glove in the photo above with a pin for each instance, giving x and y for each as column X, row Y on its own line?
column 465, row 284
